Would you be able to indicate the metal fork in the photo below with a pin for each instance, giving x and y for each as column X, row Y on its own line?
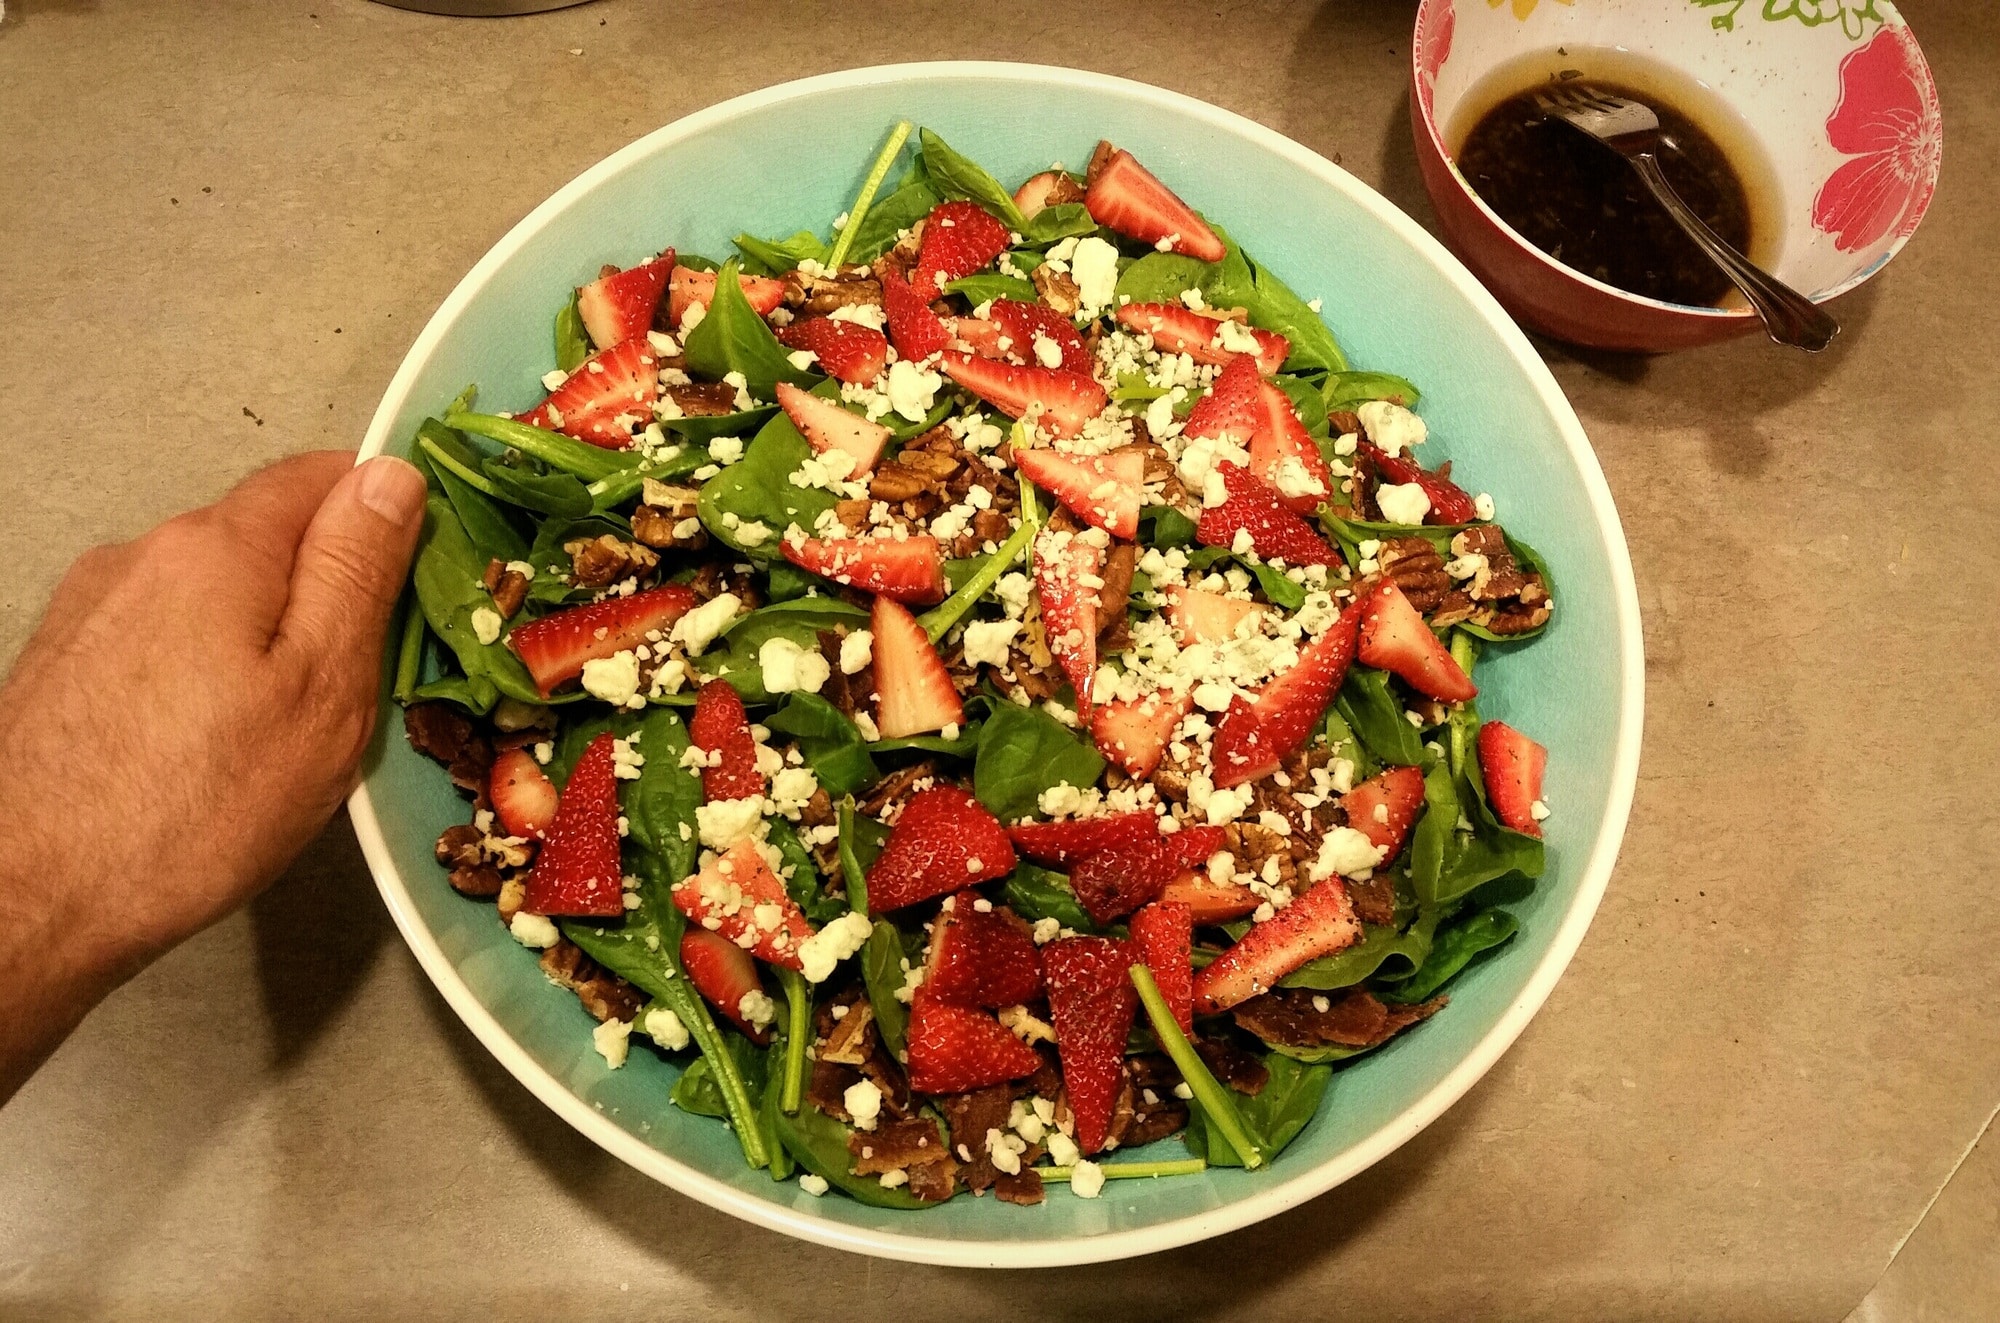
column 1633, row 131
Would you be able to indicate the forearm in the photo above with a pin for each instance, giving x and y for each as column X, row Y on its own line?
column 55, row 965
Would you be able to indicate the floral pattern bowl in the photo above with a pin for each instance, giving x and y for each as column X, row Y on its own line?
column 1833, row 96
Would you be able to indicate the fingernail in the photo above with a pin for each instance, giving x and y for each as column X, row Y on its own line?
column 392, row 488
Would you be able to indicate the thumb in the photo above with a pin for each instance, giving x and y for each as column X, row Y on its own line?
column 350, row 568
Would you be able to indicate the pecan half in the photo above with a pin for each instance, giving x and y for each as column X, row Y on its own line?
column 603, row 560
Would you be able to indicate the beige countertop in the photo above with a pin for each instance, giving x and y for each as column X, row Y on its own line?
column 222, row 223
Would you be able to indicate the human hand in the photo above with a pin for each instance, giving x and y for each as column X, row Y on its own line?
column 188, row 715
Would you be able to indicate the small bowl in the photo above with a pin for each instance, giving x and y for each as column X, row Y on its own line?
column 1832, row 106
column 793, row 155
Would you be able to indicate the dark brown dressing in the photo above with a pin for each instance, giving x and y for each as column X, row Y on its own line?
column 1583, row 204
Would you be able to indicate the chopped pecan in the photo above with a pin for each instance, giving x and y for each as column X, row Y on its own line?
column 1353, row 1017
column 508, row 587
column 896, row 482
column 603, row 560
column 513, row 895
column 1417, row 569
column 820, row 294
column 437, row 730
column 989, row 525
column 458, row 847
column 661, row 517
column 1508, row 599
column 1100, row 158
column 602, row 993
column 1262, row 851
column 1113, row 598
column 714, row 579
column 478, row 881
column 1375, row 899
column 895, row 788
column 1062, row 188
column 852, row 1040
column 1057, row 289
column 933, row 1183
column 1455, row 608
column 703, row 399
column 853, row 513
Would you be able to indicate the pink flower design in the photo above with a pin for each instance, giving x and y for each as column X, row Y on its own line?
column 1433, row 46
column 1888, row 122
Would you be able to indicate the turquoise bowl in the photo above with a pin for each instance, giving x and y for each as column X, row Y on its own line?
column 792, row 156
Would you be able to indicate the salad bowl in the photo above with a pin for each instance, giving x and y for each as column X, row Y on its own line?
column 1397, row 301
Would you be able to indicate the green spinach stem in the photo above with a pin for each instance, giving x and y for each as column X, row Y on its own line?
column 1207, row 1092
column 743, row 1118
column 866, row 198
column 470, row 477
column 940, row 618
column 1115, row 1171
column 850, row 863
column 798, row 1034
column 588, row 462
column 410, row 650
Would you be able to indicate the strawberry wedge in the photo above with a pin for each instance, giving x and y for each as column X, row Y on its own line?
column 1199, row 616
column 1258, row 735
column 1133, row 732
column 620, row 306
column 555, row 648
column 1125, row 196
column 689, row 288
column 1104, row 491
column 1511, row 764
column 959, row 239
column 847, row 351
column 578, row 870
column 1047, row 189
column 1069, row 840
column 946, row 840
column 908, row 569
column 826, row 426
column 1209, row 901
column 523, row 798
column 605, row 398
column 1252, row 507
column 1028, row 324
column 1385, row 807
column 1092, row 1001
column 1112, row 883
column 1164, row 934
column 1181, row 330
column 724, row 974
column 1318, row 923
column 720, row 728
column 1233, row 409
column 914, row 692
column 1285, row 456
column 914, row 329
column 1062, row 402
column 956, row 1049
column 1449, row 503
column 1394, row 638
column 738, row 896
column 1067, row 564
column 979, row 957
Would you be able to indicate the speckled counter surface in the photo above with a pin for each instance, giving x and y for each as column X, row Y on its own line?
column 1767, row 1058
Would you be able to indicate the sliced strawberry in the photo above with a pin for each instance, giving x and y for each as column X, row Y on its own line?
column 737, row 895
column 1114, row 882
column 955, row 1049
column 1383, row 808
column 555, row 647
column 1126, row 197
column 1071, row 839
column 1047, row 189
column 1092, row 1001
column 1064, row 561
column 909, row 569
column 914, row 329
column 1208, row 901
column 1104, row 491
column 1395, row 638
column 606, row 397
column 689, row 287
column 620, row 306
column 1256, row 736
column 848, row 351
column 1027, row 323
column 724, row 974
column 826, row 426
column 945, row 840
column 1164, row 934
column 1318, row 923
column 577, row 871
column 982, row 336
column 720, row 728
column 980, row 958
column 1177, row 329
column 959, row 239
column 1233, row 407
column 1199, row 616
column 1061, row 401
column 1133, row 733
column 523, row 798
column 1511, row 765
column 1252, row 507
column 1286, row 457
column 1449, row 503
column 914, row 692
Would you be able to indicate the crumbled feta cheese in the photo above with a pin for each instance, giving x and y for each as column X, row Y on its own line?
column 698, row 628
column 1538, row 811
column 614, row 679
column 1060, row 800
column 1482, row 506
column 987, row 641
column 863, row 1101
column 869, row 315
column 534, row 931
column 1345, row 851
column 692, row 318
column 757, row 1009
column 832, row 944
column 802, row 359
column 665, row 1028
column 1094, row 268
column 790, row 668
column 813, row 1184
column 1086, row 1179
column 724, row 822
column 486, row 624
column 1046, row 931
column 856, row 651
column 1403, row 502
column 1391, row 426
column 613, row 1040
column 911, row 390
column 1062, row 1149
column 1235, row 337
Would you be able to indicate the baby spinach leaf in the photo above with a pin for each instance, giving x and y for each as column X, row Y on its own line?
column 1340, row 739
column 696, row 1091
column 1024, row 751
column 447, row 577
column 1369, row 707
column 1279, row 588
column 989, row 285
column 1274, row 1116
column 660, row 805
column 700, row 429
column 475, row 694
column 882, row 958
column 912, row 200
column 758, row 489
column 552, row 493
column 1382, row 952
column 800, row 620
column 1164, row 277
column 1055, row 223
column 572, row 343
column 733, row 338
column 1035, row 892
column 675, row 462
column 1344, row 390
column 957, row 176
column 553, row 448
column 552, row 562
column 819, row 1143
column 966, row 745
column 861, row 840
column 774, row 257
column 1432, row 839
column 643, row 947
column 1306, row 403
column 804, row 884
column 1277, row 308
column 1453, row 951
column 695, row 262
column 830, row 743
column 1164, row 526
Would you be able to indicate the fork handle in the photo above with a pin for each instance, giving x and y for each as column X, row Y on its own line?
column 1790, row 317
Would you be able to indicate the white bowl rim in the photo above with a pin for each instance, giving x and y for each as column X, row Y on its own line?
column 1520, row 241
column 1263, row 1203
